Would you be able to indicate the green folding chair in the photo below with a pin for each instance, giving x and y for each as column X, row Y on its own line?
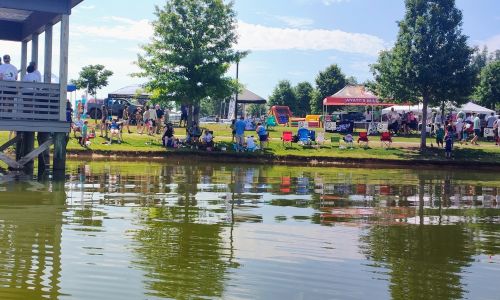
column 335, row 140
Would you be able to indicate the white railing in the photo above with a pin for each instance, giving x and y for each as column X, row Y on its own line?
column 29, row 101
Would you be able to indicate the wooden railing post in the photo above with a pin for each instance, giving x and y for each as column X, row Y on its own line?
column 63, row 66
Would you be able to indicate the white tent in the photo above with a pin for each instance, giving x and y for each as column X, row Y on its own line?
column 418, row 109
column 474, row 108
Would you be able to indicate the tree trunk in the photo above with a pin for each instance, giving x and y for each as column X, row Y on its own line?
column 190, row 116
column 423, row 134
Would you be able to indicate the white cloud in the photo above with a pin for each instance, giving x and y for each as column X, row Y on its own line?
column 295, row 22
column 330, row 2
column 120, row 29
column 261, row 38
column 493, row 42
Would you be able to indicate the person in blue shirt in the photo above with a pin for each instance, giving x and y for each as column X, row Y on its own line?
column 448, row 145
column 239, row 128
column 262, row 132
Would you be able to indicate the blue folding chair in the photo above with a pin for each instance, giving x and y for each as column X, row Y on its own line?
column 303, row 135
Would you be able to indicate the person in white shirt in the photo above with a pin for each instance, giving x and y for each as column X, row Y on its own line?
column 7, row 71
column 250, row 143
column 32, row 74
column 208, row 140
column 153, row 118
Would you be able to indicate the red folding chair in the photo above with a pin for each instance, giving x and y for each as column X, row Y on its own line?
column 386, row 139
column 363, row 139
column 287, row 137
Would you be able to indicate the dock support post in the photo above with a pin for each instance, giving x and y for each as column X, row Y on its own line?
column 44, row 157
column 25, row 144
column 60, row 141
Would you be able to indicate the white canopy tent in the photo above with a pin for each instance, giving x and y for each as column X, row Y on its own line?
column 474, row 108
column 417, row 109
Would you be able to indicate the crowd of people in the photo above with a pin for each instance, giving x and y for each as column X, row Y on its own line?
column 461, row 127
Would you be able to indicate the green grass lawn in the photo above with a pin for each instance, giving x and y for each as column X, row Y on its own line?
column 403, row 148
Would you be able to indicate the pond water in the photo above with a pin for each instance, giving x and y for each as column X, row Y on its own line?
column 191, row 230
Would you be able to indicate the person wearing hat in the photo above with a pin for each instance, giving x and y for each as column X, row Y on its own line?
column 8, row 71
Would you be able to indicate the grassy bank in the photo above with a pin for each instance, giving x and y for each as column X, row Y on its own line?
column 403, row 148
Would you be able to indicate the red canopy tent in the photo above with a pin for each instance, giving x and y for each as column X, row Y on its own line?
column 354, row 95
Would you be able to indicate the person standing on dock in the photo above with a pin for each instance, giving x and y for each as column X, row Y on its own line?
column 32, row 74
column 7, row 71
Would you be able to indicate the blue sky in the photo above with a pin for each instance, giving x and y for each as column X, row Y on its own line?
column 288, row 39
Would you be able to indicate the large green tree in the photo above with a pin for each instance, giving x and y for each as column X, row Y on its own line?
column 431, row 60
column 283, row 94
column 488, row 91
column 303, row 92
column 190, row 53
column 92, row 78
column 328, row 82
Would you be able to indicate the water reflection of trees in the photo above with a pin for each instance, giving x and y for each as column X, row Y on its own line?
column 31, row 216
column 423, row 262
column 186, row 254
column 183, row 256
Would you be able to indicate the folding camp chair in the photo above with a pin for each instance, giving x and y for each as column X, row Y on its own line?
column 349, row 141
column 304, row 137
column 363, row 139
column 320, row 139
column 271, row 122
column 312, row 135
column 335, row 140
column 287, row 137
column 386, row 139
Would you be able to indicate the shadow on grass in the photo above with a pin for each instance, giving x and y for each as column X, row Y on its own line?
column 458, row 154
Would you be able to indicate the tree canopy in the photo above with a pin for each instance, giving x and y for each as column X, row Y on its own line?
column 92, row 78
column 328, row 82
column 430, row 61
column 303, row 92
column 488, row 90
column 283, row 94
column 191, row 50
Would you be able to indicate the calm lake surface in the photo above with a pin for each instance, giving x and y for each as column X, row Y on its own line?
column 128, row 230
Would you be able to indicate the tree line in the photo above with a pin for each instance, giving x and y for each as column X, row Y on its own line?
column 188, row 58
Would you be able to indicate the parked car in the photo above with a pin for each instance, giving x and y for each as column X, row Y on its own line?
column 115, row 106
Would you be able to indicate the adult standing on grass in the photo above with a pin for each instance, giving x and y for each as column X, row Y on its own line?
column 159, row 114
column 145, row 120
column 239, row 127
column 477, row 128
column 459, row 125
column 496, row 126
column 104, row 119
column 126, row 118
column 262, row 132
column 138, row 120
column 491, row 119
column 153, row 118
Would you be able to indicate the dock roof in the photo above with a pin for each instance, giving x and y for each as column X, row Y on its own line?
column 21, row 19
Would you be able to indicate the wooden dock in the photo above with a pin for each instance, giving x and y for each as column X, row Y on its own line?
column 35, row 109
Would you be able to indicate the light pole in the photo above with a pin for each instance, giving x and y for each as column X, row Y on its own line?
column 237, row 91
